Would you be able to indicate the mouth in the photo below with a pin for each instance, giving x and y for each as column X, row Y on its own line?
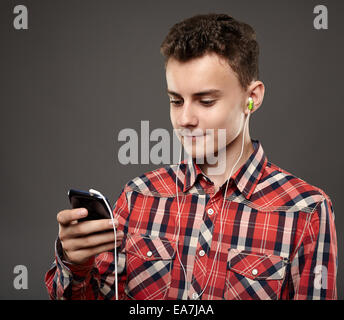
column 194, row 137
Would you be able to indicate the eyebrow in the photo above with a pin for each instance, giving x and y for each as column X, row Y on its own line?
column 198, row 94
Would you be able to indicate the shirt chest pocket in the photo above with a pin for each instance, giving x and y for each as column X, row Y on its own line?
column 149, row 263
column 254, row 276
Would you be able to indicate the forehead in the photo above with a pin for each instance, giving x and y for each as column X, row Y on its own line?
column 210, row 70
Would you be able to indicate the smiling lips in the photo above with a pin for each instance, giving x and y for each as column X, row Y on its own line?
column 194, row 137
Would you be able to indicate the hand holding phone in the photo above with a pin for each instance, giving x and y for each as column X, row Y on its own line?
column 84, row 232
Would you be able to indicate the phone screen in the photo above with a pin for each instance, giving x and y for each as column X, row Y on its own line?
column 95, row 205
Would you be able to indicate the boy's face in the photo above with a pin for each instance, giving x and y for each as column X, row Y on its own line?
column 205, row 93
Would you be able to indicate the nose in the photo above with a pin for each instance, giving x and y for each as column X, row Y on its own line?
column 187, row 117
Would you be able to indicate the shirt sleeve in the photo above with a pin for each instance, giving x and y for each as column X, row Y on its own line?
column 95, row 278
column 313, row 270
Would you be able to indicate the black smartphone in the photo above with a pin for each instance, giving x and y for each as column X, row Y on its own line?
column 97, row 205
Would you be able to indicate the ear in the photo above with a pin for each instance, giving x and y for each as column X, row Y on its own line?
column 255, row 90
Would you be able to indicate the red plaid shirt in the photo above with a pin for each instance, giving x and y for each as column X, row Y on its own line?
column 279, row 239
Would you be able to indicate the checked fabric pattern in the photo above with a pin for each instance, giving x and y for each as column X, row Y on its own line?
column 278, row 232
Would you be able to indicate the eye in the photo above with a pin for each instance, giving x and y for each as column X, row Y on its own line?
column 176, row 102
column 207, row 102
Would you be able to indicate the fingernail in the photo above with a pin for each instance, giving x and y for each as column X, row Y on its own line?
column 82, row 211
column 115, row 222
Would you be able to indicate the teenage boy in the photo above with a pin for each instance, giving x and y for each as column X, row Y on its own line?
column 253, row 231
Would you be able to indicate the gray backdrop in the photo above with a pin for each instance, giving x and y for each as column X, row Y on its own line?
column 84, row 70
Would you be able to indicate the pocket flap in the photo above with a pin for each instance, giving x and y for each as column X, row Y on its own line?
column 150, row 247
column 257, row 266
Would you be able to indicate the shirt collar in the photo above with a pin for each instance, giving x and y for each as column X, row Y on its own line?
column 245, row 178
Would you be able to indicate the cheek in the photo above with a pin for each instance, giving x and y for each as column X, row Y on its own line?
column 218, row 119
column 213, row 119
column 231, row 123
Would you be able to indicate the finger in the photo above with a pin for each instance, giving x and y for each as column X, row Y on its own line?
column 82, row 229
column 82, row 255
column 65, row 217
column 102, row 248
column 93, row 240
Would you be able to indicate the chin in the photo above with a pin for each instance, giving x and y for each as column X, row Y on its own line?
column 200, row 156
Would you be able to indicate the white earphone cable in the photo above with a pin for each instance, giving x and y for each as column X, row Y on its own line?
column 178, row 255
column 221, row 220
column 114, row 231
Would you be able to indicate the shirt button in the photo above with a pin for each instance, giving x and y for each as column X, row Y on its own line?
column 149, row 253
column 210, row 211
column 254, row 272
column 194, row 296
column 201, row 253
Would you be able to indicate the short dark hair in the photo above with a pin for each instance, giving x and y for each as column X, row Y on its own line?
column 219, row 33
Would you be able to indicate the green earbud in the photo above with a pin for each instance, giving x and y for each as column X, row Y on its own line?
column 250, row 104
